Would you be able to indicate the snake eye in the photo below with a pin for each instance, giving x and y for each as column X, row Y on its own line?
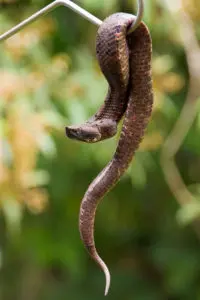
column 89, row 135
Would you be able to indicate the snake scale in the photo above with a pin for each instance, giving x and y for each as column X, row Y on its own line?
column 125, row 60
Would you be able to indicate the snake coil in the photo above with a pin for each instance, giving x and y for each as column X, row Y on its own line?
column 125, row 61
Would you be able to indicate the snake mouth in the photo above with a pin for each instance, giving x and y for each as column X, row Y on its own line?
column 85, row 133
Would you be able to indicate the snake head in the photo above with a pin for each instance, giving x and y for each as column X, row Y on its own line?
column 92, row 132
column 84, row 133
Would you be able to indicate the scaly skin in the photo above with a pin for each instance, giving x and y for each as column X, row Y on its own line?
column 112, row 53
column 126, row 64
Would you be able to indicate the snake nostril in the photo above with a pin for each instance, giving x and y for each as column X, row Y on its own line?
column 70, row 132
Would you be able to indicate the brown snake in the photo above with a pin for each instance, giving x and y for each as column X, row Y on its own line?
column 125, row 61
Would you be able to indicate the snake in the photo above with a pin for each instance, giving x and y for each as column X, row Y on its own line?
column 125, row 61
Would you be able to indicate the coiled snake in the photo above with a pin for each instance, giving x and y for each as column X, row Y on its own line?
column 125, row 61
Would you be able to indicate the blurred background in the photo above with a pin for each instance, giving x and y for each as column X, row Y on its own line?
column 148, row 227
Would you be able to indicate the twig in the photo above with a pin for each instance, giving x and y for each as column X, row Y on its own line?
column 186, row 119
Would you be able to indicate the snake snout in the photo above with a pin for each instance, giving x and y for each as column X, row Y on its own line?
column 84, row 133
column 70, row 133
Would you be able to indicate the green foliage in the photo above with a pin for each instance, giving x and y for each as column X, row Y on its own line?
column 50, row 78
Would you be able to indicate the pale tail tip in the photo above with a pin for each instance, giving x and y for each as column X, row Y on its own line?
column 103, row 266
column 107, row 275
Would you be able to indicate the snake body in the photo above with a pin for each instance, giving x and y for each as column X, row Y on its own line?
column 125, row 61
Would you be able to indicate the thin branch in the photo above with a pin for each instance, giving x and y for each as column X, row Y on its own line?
column 186, row 118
